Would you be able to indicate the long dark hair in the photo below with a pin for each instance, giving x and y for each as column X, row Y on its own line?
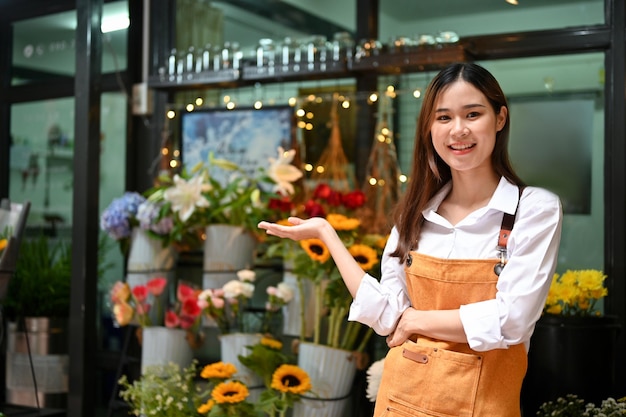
column 429, row 172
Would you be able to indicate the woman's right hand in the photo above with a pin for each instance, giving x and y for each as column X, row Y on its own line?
column 301, row 228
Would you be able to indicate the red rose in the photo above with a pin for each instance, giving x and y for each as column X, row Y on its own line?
column 313, row 209
column 322, row 191
column 334, row 199
column 283, row 205
column 354, row 199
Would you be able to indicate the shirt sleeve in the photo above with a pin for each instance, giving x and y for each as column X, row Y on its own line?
column 523, row 285
column 379, row 305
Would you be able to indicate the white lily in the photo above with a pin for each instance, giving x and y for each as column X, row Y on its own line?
column 282, row 172
column 186, row 195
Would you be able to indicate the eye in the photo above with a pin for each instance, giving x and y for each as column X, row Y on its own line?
column 442, row 117
column 473, row 114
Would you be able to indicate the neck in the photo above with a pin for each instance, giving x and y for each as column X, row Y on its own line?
column 470, row 189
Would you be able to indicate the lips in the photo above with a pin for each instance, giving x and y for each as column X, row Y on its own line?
column 461, row 146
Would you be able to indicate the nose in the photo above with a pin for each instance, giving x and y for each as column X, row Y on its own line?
column 459, row 129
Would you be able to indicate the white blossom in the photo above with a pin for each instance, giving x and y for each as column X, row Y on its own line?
column 186, row 195
column 282, row 172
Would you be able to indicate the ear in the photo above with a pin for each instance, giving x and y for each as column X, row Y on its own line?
column 501, row 118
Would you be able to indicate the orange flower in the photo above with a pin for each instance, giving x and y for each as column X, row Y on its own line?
column 120, row 292
column 123, row 313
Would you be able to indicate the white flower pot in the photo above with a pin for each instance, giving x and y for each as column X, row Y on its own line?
column 234, row 344
column 227, row 249
column 161, row 345
column 292, row 312
column 332, row 374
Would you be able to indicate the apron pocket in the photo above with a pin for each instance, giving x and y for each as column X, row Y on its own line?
column 433, row 381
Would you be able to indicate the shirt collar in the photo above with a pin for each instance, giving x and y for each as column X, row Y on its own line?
column 504, row 199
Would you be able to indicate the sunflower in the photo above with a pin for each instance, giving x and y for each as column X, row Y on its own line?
column 364, row 255
column 231, row 392
column 271, row 343
column 206, row 407
column 218, row 370
column 316, row 249
column 291, row 379
column 341, row 222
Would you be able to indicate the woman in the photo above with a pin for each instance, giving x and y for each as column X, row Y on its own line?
column 467, row 266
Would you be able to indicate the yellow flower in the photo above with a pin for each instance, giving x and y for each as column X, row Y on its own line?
column 291, row 379
column 231, row 392
column 206, row 407
column 575, row 293
column 284, row 222
column 219, row 370
column 3, row 244
column 341, row 222
column 364, row 255
column 271, row 343
column 316, row 249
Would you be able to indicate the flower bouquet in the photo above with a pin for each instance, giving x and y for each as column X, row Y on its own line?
column 576, row 293
column 312, row 261
column 144, row 306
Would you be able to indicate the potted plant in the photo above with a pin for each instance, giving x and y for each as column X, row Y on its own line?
column 571, row 326
column 37, row 305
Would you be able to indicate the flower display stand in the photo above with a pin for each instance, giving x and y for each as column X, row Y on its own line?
column 332, row 374
column 571, row 355
column 227, row 249
column 161, row 345
column 148, row 259
column 234, row 344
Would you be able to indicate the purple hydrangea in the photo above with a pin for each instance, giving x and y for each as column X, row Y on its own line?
column 116, row 219
column 148, row 217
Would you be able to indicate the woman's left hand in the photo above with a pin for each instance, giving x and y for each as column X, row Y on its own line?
column 403, row 330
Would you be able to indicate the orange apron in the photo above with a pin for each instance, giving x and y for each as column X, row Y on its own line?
column 436, row 378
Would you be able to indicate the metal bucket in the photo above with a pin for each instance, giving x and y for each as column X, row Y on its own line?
column 48, row 342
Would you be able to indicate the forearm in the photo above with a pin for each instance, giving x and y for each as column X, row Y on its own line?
column 437, row 324
column 350, row 270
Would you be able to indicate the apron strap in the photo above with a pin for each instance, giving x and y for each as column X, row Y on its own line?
column 508, row 220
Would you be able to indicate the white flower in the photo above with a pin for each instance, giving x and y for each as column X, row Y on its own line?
column 282, row 172
column 235, row 288
column 285, row 292
column 374, row 373
column 246, row 275
column 185, row 196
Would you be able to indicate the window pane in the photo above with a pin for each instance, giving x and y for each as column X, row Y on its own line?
column 41, row 161
column 469, row 18
column 44, row 48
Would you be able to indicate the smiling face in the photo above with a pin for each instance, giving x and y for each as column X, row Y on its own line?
column 464, row 127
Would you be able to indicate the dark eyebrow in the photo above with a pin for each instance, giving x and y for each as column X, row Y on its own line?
column 466, row 107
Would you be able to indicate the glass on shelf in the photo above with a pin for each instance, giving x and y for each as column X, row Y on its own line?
column 265, row 53
column 285, row 49
column 367, row 47
column 171, row 64
column 425, row 40
column 207, row 52
column 401, row 44
column 342, row 46
column 447, row 36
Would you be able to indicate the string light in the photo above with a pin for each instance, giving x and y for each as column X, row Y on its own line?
column 513, row 2
column 258, row 104
column 199, row 101
column 189, row 107
column 171, row 114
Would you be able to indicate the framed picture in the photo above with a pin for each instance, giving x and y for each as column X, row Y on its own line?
column 247, row 137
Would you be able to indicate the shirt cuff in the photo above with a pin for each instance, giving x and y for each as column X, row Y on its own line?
column 481, row 323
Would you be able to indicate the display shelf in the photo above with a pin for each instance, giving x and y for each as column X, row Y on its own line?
column 192, row 80
column 416, row 59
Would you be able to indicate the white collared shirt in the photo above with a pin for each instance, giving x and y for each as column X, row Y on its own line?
column 522, row 287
